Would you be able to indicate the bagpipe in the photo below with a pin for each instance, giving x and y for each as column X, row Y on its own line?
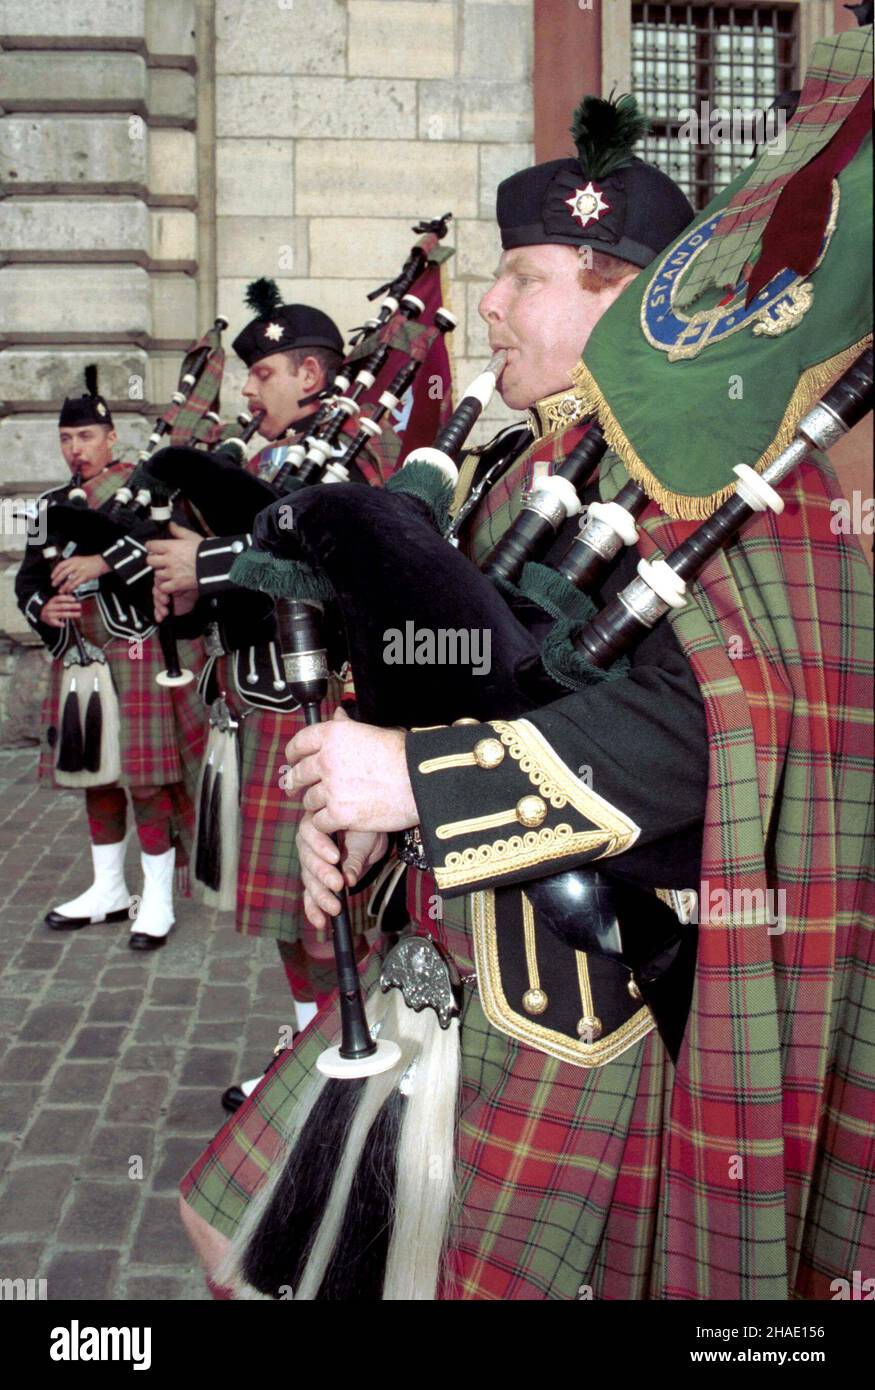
column 374, row 1225
column 228, row 499
column 143, row 507
column 87, row 751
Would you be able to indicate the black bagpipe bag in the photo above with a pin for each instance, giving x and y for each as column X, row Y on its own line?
column 226, row 496
column 391, row 572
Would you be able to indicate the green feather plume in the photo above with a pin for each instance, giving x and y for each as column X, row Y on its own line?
column 263, row 297
column 605, row 132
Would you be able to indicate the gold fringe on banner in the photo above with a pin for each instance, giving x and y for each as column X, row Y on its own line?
column 680, row 506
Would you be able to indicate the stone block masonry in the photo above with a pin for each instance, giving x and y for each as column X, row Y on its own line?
column 158, row 156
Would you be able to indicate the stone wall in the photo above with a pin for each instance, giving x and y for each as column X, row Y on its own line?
column 338, row 125
column 159, row 154
column 98, row 249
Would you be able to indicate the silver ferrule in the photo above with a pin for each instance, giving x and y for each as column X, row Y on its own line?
column 547, row 505
column 599, row 536
column 305, row 666
column 822, row 426
column 641, row 601
column 787, row 460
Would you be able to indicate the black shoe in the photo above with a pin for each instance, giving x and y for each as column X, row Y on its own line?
column 58, row 922
column 234, row 1096
column 141, row 941
column 232, row 1099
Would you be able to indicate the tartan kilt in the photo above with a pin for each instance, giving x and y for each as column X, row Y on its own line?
column 161, row 730
column 621, row 1182
column 558, row 1169
column 162, row 733
column 270, row 898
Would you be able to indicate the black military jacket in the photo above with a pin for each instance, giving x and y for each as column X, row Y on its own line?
column 615, row 776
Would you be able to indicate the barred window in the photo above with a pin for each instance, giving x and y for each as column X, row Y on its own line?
column 704, row 57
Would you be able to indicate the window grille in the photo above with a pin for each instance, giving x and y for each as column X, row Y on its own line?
column 735, row 58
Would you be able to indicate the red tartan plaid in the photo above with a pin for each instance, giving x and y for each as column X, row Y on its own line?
column 625, row 1180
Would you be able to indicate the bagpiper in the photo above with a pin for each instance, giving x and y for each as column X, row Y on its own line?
column 107, row 725
column 705, row 1144
column 292, row 353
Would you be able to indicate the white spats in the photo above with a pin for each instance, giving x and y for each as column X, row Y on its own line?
column 305, row 1012
column 155, row 916
column 108, row 893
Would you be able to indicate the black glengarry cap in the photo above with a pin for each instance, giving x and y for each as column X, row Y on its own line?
column 280, row 327
column 89, row 409
column 607, row 198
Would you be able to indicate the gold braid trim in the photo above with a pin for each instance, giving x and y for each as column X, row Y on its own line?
column 810, row 386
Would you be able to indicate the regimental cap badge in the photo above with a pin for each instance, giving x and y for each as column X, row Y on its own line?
column 274, row 331
column 100, row 408
column 587, row 204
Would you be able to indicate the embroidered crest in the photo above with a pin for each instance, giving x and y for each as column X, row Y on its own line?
column 778, row 307
column 274, row 332
column 587, row 204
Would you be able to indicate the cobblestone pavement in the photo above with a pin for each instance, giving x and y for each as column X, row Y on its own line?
column 107, row 1055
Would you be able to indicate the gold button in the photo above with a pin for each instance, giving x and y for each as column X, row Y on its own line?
column 488, row 752
column 465, row 721
column 633, row 990
column 531, row 811
column 589, row 1028
column 535, row 1001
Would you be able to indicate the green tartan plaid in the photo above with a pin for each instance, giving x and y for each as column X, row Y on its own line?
column 186, row 419
column 161, row 731
column 744, row 1173
column 838, row 73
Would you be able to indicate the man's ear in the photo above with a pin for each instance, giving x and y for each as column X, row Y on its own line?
column 111, row 437
column 312, row 375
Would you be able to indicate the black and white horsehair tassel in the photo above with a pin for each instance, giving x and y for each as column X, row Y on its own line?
column 70, row 745
column 93, row 742
column 203, row 812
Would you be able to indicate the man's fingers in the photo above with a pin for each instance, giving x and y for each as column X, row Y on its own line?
column 325, row 821
column 320, row 844
column 305, row 773
column 315, row 799
column 308, row 741
column 316, row 872
column 313, row 914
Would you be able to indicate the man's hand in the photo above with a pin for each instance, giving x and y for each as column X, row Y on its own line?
column 325, row 868
column 68, row 574
column 182, row 603
column 175, row 561
column 60, row 609
column 355, row 776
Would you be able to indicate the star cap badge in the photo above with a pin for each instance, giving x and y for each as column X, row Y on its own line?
column 274, row 332
column 587, row 204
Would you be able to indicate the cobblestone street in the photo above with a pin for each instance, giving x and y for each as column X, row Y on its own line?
column 107, row 1055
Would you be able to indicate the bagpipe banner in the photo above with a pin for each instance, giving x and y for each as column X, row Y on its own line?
column 428, row 403
column 685, row 390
